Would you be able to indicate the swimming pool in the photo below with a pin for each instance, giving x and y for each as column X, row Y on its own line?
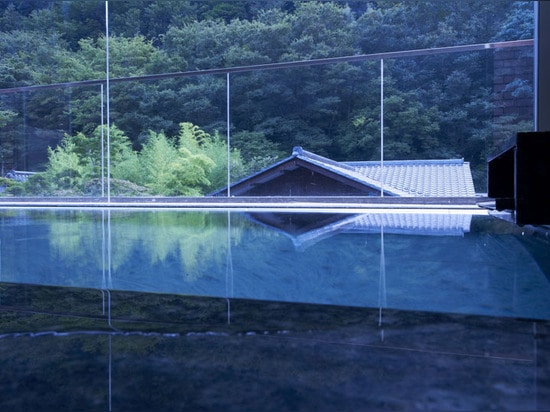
column 430, row 261
column 131, row 309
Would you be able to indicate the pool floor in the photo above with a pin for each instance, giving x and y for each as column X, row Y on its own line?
column 87, row 349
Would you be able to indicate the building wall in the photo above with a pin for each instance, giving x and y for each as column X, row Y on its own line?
column 303, row 182
column 513, row 67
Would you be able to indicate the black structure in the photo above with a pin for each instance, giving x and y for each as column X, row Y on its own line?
column 518, row 178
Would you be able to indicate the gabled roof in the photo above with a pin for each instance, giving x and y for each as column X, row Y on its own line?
column 410, row 178
column 343, row 169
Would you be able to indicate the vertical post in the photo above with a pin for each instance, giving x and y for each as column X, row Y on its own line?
column 107, row 84
column 102, row 146
column 23, row 151
column 382, row 300
column 542, row 65
column 70, row 114
column 229, row 270
column 382, row 126
column 536, row 68
column 109, row 251
column 228, row 115
column 110, row 373
column 103, row 252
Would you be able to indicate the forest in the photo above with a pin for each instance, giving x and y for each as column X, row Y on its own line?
column 168, row 135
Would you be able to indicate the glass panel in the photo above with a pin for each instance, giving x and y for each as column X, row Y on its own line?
column 455, row 104
column 133, row 308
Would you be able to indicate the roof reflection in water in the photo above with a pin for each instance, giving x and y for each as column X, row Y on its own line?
column 306, row 229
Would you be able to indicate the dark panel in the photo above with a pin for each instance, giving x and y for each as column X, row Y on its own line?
column 501, row 175
column 518, row 178
column 532, row 176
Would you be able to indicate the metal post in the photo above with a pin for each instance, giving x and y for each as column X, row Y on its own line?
column 108, row 99
column 228, row 115
column 542, row 65
column 229, row 270
column 103, row 252
column 382, row 126
column 102, row 146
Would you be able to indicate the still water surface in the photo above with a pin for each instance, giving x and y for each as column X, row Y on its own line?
column 447, row 263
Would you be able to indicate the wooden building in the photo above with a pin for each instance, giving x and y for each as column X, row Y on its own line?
column 307, row 174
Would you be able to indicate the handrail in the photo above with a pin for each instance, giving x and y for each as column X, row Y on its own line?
column 282, row 65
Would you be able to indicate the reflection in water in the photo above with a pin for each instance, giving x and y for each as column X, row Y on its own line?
column 154, row 238
column 229, row 270
column 382, row 284
column 416, row 261
column 59, row 355
column 106, row 250
column 306, row 229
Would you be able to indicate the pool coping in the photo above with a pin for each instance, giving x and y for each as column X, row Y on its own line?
column 265, row 202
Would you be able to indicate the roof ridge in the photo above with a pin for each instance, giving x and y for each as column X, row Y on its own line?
column 347, row 170
column 298, row 151
column 458, row 161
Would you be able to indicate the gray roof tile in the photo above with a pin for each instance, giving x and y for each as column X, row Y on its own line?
column 419, row 178
column 447, row 178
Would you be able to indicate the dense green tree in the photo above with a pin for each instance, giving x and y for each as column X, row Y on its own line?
column 78, row 159
column 7, row 147
column 436, row 106
column 5, row 117
column 66, row 171
column 159, row 159
column 135, row 106
column 519, row 23
column 192, row 165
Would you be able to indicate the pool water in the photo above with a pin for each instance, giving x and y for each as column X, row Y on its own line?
column 165, row 310
column 450, row 263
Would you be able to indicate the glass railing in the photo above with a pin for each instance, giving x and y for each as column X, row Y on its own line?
column 196, row 131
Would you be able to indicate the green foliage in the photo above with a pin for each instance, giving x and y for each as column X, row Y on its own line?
column 195, row 165
column 191, row 164
column 38, row 185
column 159, row 158
column 11, row 187
column 65, row 168
column 77, row 161
column 519, row 23
column 216, row 149
column 6, row 116
column 128, row 168
column 435, row 106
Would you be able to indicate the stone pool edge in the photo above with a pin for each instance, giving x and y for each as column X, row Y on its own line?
column 269, row 202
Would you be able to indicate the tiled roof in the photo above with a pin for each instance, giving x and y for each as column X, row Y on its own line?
column 435, row 178
column 407, row 178
column 418, row 178
column 343, row 169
